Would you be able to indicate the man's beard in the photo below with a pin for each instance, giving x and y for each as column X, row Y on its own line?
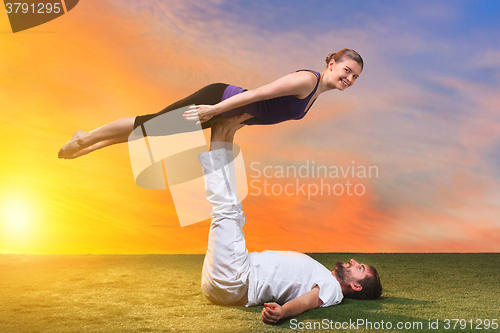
column 339, row 271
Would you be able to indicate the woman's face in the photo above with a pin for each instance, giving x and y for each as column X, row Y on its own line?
column 344, row 73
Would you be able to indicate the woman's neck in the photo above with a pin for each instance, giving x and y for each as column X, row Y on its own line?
column 325, row 83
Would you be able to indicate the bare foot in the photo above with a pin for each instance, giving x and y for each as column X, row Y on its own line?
column 84, row 151
column 227, row 124
column 223, row 130
column 96, row 146
column 72, row 146
column 233, row 129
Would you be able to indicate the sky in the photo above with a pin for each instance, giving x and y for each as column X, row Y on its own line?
column 424, row 115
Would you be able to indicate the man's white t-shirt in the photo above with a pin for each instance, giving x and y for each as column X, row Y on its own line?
column 279, row 276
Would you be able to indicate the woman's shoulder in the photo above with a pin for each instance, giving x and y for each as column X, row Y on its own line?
column 308, row 80
column 309, row 73
column 307, row 76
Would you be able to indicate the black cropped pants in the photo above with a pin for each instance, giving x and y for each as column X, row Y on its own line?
column 208, row 95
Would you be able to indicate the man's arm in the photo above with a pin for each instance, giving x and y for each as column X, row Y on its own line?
column 274, row 312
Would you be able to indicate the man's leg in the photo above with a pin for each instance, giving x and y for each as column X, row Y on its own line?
column 226, row 267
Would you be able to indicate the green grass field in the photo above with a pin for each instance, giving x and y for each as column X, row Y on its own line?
column 161, row 293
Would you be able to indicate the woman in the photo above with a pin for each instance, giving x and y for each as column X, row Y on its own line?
column 287, row 98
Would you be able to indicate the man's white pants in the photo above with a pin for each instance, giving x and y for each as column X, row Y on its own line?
column 226, row 267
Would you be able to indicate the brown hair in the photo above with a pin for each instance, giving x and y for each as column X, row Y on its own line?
column 340, row 55
column 372, row 288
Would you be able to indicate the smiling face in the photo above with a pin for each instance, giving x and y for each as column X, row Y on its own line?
column 344, row 73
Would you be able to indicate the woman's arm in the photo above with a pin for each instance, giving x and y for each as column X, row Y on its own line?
column 298, row 84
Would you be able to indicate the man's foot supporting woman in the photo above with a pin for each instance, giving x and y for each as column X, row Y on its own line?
column 223, row 130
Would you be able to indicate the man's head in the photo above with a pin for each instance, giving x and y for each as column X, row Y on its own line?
column 358, row 280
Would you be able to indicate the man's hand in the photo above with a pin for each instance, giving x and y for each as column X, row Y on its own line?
column 274, row 312
column 271, row 313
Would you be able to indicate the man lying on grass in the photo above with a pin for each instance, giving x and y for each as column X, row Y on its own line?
column 232, row 276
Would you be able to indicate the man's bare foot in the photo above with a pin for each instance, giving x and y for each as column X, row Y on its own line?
column 72, row 146
column 225, row 125
column 233, row 129
column 223, row 129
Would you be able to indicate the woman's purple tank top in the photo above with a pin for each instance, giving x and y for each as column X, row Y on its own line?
column 272, row 111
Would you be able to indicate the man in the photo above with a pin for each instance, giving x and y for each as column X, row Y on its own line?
column 232, row 276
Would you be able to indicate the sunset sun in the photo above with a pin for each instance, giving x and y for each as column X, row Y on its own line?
column 17, row 216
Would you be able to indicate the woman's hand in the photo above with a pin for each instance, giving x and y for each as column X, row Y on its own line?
column 200, row 113
column 271, row 313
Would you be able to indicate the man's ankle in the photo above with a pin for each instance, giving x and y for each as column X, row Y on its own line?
column 214, row 145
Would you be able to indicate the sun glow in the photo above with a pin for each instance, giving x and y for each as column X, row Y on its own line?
column 17, row 217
